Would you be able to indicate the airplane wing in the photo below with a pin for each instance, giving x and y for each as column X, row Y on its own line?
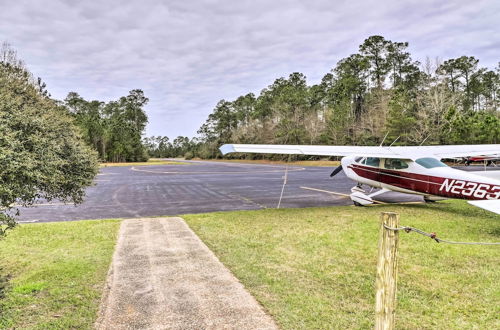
column 454, row 151
column 488, row 174
column 412, row 152
column 383, row 152
column 492, row 205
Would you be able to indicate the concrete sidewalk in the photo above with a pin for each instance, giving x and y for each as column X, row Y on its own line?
column 163, row 277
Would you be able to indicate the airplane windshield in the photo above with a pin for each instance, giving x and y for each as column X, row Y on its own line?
column 430, row 162
column 372, row 161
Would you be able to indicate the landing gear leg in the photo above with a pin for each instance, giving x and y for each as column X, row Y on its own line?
column 359, row 197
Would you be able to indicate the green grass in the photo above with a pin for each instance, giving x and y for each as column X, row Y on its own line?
column 57, row 273
column 310, row 268
column 315, row 268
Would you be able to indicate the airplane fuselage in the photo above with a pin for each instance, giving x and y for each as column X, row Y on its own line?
column 441, row 181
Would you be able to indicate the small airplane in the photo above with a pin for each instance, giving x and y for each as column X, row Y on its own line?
column 413, row 170
column 488, row 160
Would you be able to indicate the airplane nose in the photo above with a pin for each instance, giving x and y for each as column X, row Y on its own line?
column 346, row 161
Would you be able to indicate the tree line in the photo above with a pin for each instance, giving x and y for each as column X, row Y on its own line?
column 113, row 129
column 380, row 90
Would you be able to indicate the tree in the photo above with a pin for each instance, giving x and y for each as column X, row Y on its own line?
column 88, row 115
column 290, row 105
column 375, row 49
column 463, row 67
column 467, row 65
column 159, row 147
column 450, row 70
column 113, row 129
column 399, row 59
column 42, row 153
column 244, row 106
column 351, row 74
column 379, row 90
column 491, row 88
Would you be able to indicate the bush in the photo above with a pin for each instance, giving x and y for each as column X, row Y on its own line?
column 205, row 152
column 41, row 150
column 188, row 155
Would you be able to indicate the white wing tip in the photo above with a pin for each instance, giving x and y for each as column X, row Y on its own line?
column 227, row 148
column 492, row 205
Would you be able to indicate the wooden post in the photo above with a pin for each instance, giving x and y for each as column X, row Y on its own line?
column 387, row 272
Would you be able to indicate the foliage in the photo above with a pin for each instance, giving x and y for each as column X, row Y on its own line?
column 161, row 147
column 379, row 90
column 42, row 154
column 113, row 129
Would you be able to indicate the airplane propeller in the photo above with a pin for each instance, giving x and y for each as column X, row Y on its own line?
column 336, row 171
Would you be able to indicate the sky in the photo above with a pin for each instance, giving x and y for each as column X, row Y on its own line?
column 188, row 55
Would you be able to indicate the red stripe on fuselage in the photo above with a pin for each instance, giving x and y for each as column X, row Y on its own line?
column 427, row 184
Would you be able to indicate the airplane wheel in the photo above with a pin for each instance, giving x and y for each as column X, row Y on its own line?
column 357, row 204
column 429, row 200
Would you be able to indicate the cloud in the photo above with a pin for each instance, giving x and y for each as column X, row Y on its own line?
column 187, row 55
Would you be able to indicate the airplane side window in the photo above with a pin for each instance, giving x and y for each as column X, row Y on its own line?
column 395, row 164
column 373, row 161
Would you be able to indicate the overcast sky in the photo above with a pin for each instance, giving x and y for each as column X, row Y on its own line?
column 187, row 55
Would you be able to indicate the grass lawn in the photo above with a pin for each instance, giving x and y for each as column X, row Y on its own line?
column 152, row 161
column 321, row 163
column 57, row 273
column 315, row 268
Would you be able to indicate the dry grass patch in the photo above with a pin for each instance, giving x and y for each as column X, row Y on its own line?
column 148, row 163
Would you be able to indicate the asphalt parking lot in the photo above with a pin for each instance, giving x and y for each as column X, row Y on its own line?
column 165, row 190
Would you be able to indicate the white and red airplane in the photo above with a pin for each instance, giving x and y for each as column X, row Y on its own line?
column 488, row 160
column 412, row 170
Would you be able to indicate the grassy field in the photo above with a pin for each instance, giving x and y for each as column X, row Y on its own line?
column 315, row 268
column 310, row 268
column 321, row 163
column 57, row 273
column 148, row 163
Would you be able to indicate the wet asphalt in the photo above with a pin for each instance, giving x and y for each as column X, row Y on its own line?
column 167, row 190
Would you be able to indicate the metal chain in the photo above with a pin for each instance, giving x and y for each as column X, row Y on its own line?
column 434, row 236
